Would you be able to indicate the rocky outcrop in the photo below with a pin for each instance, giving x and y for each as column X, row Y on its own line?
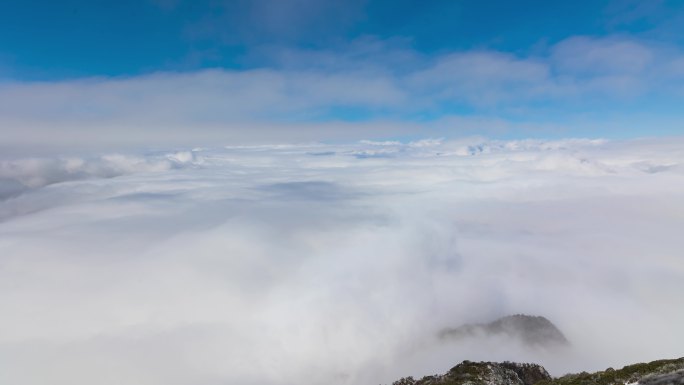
column 530, row 330
column 675, row 378
column 484, row 373
column 529, row 374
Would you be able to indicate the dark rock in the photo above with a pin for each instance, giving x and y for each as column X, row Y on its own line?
column 530, row 374
column 675, row 378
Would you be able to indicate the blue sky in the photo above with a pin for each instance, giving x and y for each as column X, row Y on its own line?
column 507, row 69
column 52, row 40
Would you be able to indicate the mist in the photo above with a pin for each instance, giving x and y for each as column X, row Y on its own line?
column 336, row 264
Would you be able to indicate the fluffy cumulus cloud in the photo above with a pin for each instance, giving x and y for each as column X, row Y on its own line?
column 336, row 264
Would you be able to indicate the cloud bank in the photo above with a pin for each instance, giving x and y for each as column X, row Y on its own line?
column 368, row 88
column 336, row 264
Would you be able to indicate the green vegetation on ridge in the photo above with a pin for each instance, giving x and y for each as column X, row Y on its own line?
column 628, row 374
column 661, row 372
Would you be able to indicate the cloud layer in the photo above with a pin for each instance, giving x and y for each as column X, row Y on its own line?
column 304, row 95
column 336, row 264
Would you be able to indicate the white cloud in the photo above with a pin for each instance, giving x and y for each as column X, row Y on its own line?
column 609, row 56
column 309, row 264
column 308, row 96
column 484, row 77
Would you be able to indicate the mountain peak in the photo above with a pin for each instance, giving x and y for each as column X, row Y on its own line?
column 529, row 329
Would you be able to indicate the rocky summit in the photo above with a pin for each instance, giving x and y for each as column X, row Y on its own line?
column 530, row 330
column 662, row 372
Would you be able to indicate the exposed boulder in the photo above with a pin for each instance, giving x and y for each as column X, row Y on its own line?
column 530, row 374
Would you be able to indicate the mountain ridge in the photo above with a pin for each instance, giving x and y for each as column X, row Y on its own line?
column 659, row 372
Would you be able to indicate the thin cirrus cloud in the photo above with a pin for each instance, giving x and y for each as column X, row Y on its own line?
column 577, row 75
column 336, row 264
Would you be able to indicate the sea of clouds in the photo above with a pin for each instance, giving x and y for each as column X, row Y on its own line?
column 336, row 263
